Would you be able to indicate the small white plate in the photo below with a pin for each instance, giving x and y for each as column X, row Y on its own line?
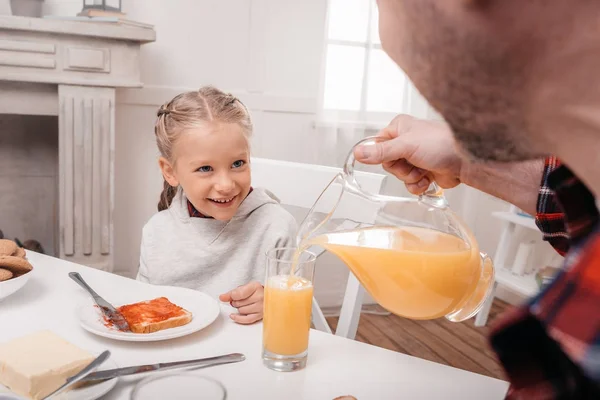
column 88, row 392
column 204, row 309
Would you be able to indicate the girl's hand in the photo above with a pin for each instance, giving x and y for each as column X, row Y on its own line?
column 248, row 299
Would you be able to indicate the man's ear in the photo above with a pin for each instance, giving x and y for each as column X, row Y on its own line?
column 168, row 172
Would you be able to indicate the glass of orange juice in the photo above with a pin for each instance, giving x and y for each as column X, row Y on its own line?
column 287, row 308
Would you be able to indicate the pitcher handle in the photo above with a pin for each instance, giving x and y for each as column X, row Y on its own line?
column 434, row 195
column 482, row 292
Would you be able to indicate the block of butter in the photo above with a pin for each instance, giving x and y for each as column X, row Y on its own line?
column 37, row 364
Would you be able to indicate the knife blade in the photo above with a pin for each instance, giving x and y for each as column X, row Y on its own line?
column 138, row 369
column 78, row 377
column 107, row 309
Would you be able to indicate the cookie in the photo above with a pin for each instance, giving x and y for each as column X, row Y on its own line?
column 7, row 247
column 5, row 275
column 15, row 264
column 20, row 252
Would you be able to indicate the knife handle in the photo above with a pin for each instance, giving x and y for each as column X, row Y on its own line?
column 77, row 278
column 205, row 362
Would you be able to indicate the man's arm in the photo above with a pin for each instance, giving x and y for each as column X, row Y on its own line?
column 516, row 183
column 417, row 151
column 525, row 185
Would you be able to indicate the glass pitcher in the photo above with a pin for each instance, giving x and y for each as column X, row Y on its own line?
column 413, row 255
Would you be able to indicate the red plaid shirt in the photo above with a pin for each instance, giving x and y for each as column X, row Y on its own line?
column 550, row 347
column 195, row 213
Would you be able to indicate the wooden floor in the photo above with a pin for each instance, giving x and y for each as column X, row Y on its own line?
column 461, row 345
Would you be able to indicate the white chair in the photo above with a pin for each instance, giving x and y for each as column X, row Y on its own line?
column 299, row 185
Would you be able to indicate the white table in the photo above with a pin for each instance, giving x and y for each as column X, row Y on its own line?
column 336, row 365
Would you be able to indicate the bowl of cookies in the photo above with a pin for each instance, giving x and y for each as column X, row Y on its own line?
column 15, row 269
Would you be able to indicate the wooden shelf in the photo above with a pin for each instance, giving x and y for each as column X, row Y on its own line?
column 525, row 285
column 520, row 220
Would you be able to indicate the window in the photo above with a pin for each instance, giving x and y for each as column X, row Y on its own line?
column 360, row 83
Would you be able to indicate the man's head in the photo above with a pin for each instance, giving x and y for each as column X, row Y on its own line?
column 497, row 70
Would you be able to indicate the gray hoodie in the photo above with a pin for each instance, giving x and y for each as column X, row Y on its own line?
column 210, row 255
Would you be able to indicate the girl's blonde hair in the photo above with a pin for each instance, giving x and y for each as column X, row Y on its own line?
column 192, row 110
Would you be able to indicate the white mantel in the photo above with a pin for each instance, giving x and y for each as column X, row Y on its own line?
column 71, row 69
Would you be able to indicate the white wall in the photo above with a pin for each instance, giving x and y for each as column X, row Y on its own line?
column 265, row 51
column 268, row 52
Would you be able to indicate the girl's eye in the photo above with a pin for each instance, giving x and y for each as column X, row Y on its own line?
column 206, row 168
column 238, row 164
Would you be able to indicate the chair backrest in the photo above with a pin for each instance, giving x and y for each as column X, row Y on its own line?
column 299, row 184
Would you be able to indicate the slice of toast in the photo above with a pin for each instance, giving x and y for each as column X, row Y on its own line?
column 154, row 315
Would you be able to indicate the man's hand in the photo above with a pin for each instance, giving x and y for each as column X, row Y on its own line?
column 416, row 151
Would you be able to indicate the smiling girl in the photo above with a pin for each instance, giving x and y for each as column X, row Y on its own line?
column 212, row 229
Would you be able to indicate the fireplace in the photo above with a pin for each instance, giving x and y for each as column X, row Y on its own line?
column 29, row 180
column 57, row 115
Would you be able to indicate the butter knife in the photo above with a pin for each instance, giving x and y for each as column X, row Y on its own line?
column 78, row 377
column 107, row 309
column 138, row 369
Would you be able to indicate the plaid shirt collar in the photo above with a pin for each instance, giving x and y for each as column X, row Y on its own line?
column 550, row 347
column 197, row 214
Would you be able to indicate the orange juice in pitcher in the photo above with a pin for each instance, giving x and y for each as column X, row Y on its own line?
column 417, row 273
column 414, row 256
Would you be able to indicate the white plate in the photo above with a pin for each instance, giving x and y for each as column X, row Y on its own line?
column 204, row 311
column 89, row 392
